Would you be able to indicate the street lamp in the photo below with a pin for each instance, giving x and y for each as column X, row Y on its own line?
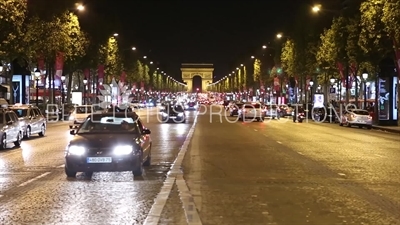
column 37, row 77
column 133, row 48
column 264, row 46
column 316, row 8
column 151, row 62
column 279, row 36
column 252, row 57
column 365, row 77
column 332, row 80
column 84, row 91
column 311, row 90
column 62, row 89
column 80, row 7
column 144, row 57
column 1, row 67
column 115, row 34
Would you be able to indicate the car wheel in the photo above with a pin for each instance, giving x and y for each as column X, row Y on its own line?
column 369, row 127
column 17, row 143
column 148, row 160
column 341, row 124
column 42, row 131
column 28, row 133
column 3, row 144
column 184, row 121
column 88, row 174
column 138, row 171
column 348, row 124
column 261, row 119
column 69, row 173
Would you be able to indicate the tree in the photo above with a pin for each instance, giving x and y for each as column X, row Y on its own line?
column 391, row 19
column 146, row 74
column 12, row 17
column 112, row 59
column 257, row 70
column 373, row 38
column 288, row 57
column 137, row 72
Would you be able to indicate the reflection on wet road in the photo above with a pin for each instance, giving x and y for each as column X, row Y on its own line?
column 35, row 190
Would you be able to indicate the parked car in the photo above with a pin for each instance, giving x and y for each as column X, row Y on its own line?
column 31, row 118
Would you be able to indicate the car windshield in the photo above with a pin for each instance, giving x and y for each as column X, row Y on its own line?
column 361, row 112
column 109, row 124
column 83, row 110
column 176, row 108
column 21, row 112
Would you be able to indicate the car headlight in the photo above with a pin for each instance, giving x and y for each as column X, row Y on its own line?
column 164, row 114
column 123, row 150
column 76, row 150
column 180, row 114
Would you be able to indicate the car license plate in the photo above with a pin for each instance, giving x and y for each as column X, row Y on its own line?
column 98, row 159
column 172, row 117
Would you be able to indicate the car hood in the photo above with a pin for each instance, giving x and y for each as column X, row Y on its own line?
column 103, row 140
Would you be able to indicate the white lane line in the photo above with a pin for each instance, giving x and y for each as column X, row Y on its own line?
column 255, row 130
column 380, row 156
column 342, row 174
column 34, row 179
column 61, row 166
column 300, row 153
column 279, row 142
column 175, row 175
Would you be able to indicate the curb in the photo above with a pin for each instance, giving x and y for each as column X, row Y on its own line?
column 388, row 129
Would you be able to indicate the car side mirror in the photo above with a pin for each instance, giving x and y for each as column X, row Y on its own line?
column 72, row 132
column 146, row 131
column 10, row 122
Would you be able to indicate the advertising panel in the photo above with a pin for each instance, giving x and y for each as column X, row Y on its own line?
column 383, row 99
column 318, row 101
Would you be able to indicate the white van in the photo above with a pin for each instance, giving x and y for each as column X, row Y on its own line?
column 79, row 115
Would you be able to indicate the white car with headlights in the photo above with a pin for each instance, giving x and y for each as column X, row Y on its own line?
column 356, row 117
column 173, row 113
column 80, row 113
column 109, row 142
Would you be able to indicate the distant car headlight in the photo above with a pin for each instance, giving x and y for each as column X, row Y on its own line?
column 76, row 150
column 164, row 114
column 123, row 150
column 180, row 114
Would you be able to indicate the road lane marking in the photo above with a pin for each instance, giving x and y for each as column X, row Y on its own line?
column 61, row 166
column 279, row 142
column 342, row 174
column 255, row 130
column 175, row 175
column 300, row 153
column 34, row 179
column 380, row 156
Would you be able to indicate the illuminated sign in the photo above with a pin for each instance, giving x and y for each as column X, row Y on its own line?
column 319, row 101
column 383, row 99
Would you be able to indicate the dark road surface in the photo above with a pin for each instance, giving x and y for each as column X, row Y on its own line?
column 275, row 172
column 280, row 172
column 35, row 190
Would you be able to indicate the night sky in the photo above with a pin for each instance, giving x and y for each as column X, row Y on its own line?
column 175, row 32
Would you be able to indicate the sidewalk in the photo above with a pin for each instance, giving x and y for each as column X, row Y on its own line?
column 392, row 129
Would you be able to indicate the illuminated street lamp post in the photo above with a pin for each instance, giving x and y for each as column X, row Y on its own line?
column 311, row 90
column 62, row 89
column 84, row 91
column 37, row 77
column 365, row 77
